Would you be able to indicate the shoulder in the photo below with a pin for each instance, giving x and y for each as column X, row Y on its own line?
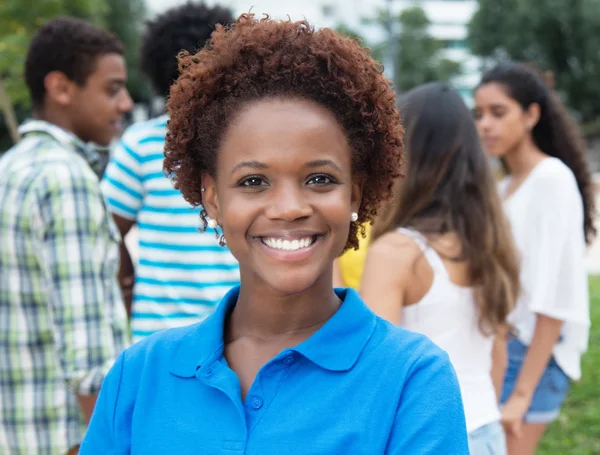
column 163, row 344
column 555, row 177
column 44, row 165
column 149, row 131
column 162, row 350
column 392, row 253
column 396, row 246
column 410, row 350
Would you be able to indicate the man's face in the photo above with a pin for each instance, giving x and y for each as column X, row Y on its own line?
column 97, row 107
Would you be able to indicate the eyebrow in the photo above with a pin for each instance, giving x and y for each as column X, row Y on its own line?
column 321, row 163
column 251, row 164
column 117, row 80
column 311, row 164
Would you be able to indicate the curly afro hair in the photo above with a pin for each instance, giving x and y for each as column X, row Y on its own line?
column 256, row 59
column 70, row 46
column 186, row 27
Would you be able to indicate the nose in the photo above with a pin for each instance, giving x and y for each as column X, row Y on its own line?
column 484, row 122
column 125, row 101
column 289, row 203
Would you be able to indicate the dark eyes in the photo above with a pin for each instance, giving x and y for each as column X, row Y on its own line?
column 320, row 179
column 256, row 181
column 252, row 181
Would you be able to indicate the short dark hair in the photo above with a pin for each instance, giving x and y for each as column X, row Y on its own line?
column 68, row 45
column 260, row 59
column 186, row 27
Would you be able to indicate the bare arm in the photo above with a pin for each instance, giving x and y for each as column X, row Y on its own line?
column 499, row 362
column 545, row 336
column 126, row 268
column 86, row 404
column 387, row 273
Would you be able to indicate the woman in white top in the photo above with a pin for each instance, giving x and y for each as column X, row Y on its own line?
column 549, row 201
column 442, row 261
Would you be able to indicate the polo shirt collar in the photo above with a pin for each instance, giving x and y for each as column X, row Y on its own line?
column 336, row 346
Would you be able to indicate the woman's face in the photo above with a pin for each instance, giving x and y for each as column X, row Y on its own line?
column 501, row 121
column 284, row 193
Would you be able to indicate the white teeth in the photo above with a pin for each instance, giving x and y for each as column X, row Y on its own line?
column 288, row 245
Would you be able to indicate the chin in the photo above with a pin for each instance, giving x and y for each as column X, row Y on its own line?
column 290, row 283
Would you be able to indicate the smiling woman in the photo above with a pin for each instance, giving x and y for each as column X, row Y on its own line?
column 290, row 140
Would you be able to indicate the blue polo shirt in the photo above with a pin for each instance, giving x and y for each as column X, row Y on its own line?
column 359, row 385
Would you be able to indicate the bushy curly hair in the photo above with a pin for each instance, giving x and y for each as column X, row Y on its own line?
column 186, row 27
column 68, row 45
column 256, row 59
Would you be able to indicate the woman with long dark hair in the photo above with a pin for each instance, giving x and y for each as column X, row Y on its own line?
column 549, row 202
column 442, row 261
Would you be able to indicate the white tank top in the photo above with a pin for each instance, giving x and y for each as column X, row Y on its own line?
column 448, row 315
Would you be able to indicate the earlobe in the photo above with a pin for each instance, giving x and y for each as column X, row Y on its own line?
column 210, row 200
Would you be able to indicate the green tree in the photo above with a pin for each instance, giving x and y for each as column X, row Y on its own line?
column 20, row 20
column 418, row 59
column 126, row 19
column 560, row 36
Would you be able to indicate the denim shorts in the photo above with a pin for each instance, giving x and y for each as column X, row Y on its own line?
column 488, row 440
column 550, row 392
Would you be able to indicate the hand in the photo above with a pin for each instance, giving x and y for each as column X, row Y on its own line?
column 513, row 413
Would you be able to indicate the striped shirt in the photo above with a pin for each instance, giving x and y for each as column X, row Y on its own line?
column 182, row 273
column 62, row 319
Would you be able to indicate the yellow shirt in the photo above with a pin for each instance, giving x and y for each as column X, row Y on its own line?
column 351, row 263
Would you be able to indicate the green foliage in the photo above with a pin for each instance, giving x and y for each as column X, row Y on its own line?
column 20, row 19
column 417, row 53
column 559, row 35
column 126, row 18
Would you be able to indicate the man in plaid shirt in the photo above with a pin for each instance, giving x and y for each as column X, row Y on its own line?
column 62, row 319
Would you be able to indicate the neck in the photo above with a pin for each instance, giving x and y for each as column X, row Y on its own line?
column 269, row 314
column 523, row 158
column 50, row 115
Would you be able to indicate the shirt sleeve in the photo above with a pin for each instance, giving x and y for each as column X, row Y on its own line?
column 101, row 436
column 79, row 255
column 430, row 417
column 122, row 183
column 553, row 273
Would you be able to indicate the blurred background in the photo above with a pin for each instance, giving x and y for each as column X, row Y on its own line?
column 417, row 41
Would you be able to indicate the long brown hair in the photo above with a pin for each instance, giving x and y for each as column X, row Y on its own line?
column 556, row 134
column 449, row 187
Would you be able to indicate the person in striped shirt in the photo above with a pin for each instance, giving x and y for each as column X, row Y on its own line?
column 62, row 321
column 181, row 273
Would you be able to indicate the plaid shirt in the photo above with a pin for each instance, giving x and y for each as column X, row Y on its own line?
column 62, row 319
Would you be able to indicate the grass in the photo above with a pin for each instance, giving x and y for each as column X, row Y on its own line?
column 577, row 431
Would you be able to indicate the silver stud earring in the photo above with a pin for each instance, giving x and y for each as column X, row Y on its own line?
column 212, row 224
column 354, row 217
column 203, row 190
